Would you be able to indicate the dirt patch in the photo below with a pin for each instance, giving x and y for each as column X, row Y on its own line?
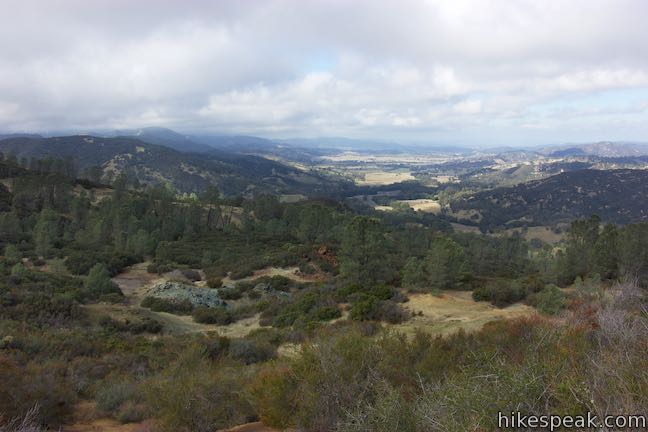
column 253, row 427
column 454, row 310
column 134, row 279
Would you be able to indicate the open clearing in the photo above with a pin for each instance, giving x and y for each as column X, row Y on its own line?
column 442, row 314
column 292, row 273
column 543, row 233
column 379, row 178
column 134, row 283
column 454, row 310
column 423, row 205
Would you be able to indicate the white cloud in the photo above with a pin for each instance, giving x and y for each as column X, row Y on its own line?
column 413, row 69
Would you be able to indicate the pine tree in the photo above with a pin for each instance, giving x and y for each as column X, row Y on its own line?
column 445, row 263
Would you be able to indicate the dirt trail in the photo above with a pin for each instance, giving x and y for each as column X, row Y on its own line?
column 252, row 427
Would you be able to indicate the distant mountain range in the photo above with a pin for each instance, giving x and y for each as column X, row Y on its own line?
column 602, row 149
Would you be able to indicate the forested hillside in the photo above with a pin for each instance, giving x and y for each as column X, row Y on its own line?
column 104, row 159
column 70, row 334
column 617, row 196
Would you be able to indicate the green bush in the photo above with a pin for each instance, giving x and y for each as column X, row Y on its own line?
column 229, row 294
column 250, row 351
column 112, row 395
column 215, row 315
column 214, row 282
column 550, row 301
column 500, row 293
column 192, row 395
column 182, row 307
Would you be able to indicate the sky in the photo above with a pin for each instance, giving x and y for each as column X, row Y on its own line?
column 481, row 73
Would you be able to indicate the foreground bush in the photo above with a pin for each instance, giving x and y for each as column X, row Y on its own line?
column 194, row 395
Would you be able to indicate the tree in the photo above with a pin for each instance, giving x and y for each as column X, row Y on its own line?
column 445, row 263
column 363, row 251
column 581, row 242
column 98, row 281
column 46, row 232
column 12, row 254
column 606, row 253
column 414, row 275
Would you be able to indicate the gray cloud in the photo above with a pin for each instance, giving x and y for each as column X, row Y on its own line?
column 469, row 71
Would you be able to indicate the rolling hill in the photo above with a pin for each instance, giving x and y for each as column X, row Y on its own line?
column 619, row 196
column 187, row 172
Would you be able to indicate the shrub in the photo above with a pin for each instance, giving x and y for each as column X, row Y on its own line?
column 274, row 393
column 214, row 282
column 160, row 267
column 12, row 254
column 217, row 347
column 190, row 274
column 98, row 282
column 253, row 295
column 43, row 385
column 391, row 312
column 368, row 308
column 378, row 291
column 216, row 315
column 326, row 313
column 249, row 351
column 145, row 325
column 550, row 301
column 131, row 412
column 190, row 395
column 500, row 293
column 241, row 273
column 112, row 395
column 365, row 308
column 229, row 294
column 182, row 307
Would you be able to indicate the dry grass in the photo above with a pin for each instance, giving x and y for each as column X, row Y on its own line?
column 384, row 178
column 454, row 310
column 538, row 232
column 383, row 208
column 424, row 205
column 291, row 198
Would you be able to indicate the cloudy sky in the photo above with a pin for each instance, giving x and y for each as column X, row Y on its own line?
column 468, row 72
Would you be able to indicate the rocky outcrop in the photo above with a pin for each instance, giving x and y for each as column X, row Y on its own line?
column 176, row 291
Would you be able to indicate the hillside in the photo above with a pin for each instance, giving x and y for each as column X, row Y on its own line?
column 619, row 196
column 156, row 164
